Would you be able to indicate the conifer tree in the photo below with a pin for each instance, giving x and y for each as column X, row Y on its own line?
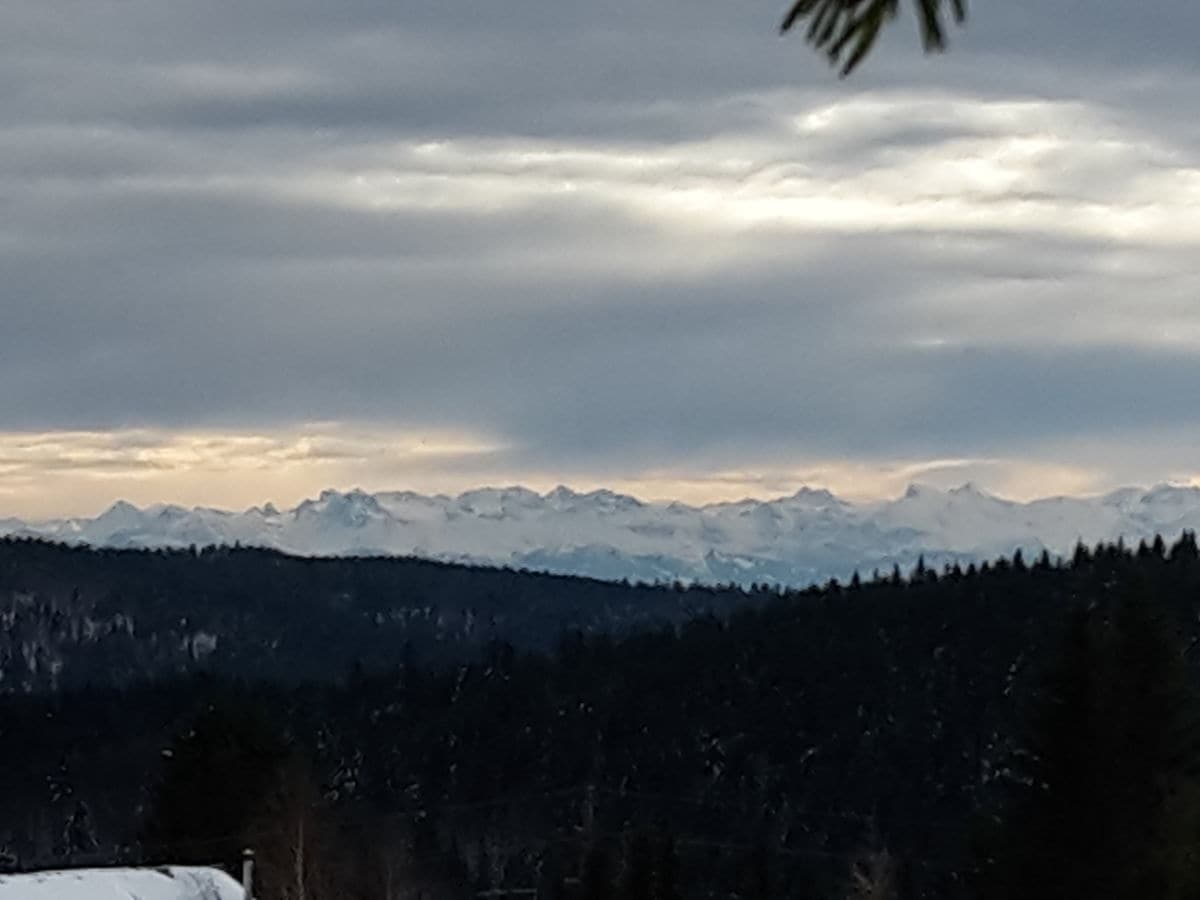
column 1185, row 548
column 215, row 774
column 1045, row 846
column 1104, row 804
column 756, row 878
column 79, row 834
column 638, row 877
column 598, row 878
column 666, row 871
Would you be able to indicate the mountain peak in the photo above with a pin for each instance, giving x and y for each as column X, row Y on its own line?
column 513, row 494
column 814, row 497
column 971, row 489
column 561, row 492
column 916, row 491
column 353, row 509
column 121, row 513
column 612, row 500
column 114, row 524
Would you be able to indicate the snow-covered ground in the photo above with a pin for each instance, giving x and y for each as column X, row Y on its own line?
column 171, row 883
column 809, row 536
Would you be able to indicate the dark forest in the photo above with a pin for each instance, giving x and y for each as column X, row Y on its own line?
column 1017, row 728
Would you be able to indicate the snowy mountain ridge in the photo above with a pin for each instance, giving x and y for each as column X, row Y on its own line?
column 809, row 536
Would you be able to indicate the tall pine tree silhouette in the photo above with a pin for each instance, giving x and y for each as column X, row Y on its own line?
column 216, row 773
column 1105, row 802
column 637, row 881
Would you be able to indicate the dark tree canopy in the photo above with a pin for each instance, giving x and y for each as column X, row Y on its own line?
column 813, row 739
column 213, row 777
column 846, row 30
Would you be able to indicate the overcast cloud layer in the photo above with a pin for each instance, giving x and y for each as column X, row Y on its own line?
column 251, row 250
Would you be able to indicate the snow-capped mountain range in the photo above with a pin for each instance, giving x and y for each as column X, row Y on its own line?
column 796, row 540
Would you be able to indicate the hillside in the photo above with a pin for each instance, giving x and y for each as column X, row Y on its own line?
column 74, row 616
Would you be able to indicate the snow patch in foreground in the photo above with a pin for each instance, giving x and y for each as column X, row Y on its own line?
column 167, row 883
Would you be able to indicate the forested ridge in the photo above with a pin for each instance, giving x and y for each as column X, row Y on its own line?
column 78, row 616
column 906, row 736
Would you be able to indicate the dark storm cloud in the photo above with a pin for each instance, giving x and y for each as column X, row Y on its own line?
column 477, row 217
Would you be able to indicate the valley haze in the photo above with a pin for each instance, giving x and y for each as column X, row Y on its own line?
column 806, row 537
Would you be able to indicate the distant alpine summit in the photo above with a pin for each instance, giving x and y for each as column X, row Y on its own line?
column 809, row 536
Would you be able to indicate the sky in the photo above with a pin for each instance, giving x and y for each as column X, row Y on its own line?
column 252, row 250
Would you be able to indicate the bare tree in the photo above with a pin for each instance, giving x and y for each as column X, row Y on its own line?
column 393, row 871
column 295, row 847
